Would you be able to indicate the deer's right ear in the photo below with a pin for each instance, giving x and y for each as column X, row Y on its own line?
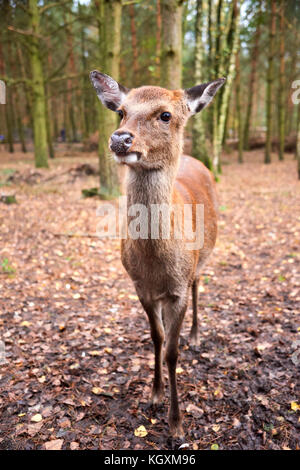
column 110, row 92
column 200, row 96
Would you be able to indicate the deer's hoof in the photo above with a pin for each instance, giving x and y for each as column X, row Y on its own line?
column 175, row 425
column 157, row 397
column 177, row 431
column 194, row 340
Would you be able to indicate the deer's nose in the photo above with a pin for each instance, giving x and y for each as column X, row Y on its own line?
column 120, row 143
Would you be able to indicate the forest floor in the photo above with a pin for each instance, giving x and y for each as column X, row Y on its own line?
column 76, row 354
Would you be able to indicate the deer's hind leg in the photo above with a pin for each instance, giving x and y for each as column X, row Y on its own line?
column 194, row 330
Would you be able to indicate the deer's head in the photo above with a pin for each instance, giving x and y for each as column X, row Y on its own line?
column 152, row 119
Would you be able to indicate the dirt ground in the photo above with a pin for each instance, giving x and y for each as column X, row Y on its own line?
column 77, row 368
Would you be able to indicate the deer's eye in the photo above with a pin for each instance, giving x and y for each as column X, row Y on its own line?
column 165, row 116
column 120, row 113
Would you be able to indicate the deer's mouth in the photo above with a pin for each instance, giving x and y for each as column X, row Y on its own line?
column 129, row 158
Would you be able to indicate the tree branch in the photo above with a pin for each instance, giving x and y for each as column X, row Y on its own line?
column 67, row 77
column 52, row 5
column 14, row 81
column 24, row 33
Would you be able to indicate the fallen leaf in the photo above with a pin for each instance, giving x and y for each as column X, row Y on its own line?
column 216, row 427
column 37, row 418
column 74, row 446
column 194, row 410
column 295, row 406
column 140, row 431
column 55, row 444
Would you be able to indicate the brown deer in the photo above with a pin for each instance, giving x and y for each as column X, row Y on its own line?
column 150, row 142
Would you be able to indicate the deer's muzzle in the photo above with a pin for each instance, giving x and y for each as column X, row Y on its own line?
column 120, row 143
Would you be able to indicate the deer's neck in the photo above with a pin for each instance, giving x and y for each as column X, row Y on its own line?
column 150, row 186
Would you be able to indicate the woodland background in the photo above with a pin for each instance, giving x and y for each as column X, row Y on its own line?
column 76, row 357
column 47, row 50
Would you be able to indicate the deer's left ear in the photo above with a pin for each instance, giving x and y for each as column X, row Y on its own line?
column 200, row 96
column 110, row 92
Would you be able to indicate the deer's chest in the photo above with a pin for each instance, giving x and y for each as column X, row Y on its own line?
column 156, row 267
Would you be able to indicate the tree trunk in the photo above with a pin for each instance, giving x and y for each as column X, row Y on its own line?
column 48, row 106
column 254, row 60
column 270, row 79
column 281, row 94
column 238, row 109
column 38, row 90
column 171, row 48
column 70, row 96
column 109, row 21
column 199, row 149
column 220, row 117
column 85, row 81
column 158, row 38
column 5, row 58
column 135, row 67
column 19, row 121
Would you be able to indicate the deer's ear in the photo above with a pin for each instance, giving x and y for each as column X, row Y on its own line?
column 110, row 92
column 201, row 95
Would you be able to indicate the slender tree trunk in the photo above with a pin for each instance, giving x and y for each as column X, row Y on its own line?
column 38, row 90
column 158, row 38
column 71, row 98
column 9, row 121
column 5, row 65
column 171, row 48
column 281, row 97
column 199, row 149
column 292, row 75
column 220, row 118
column 109, row 21
column 135, row 67
column 49, row 129
column 7, row 108
column 48, row 107
column 210, row 110
column 85, row 80
column 270, row 79
column 238, row 109
column 27, row 88
column 254, row 60
column 17, row 105
column 19, row 121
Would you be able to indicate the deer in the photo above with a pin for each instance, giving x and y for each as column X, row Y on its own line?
column 149, row 142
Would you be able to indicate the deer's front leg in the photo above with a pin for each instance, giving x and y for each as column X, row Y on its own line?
column 174, row 313
column 153, row 311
